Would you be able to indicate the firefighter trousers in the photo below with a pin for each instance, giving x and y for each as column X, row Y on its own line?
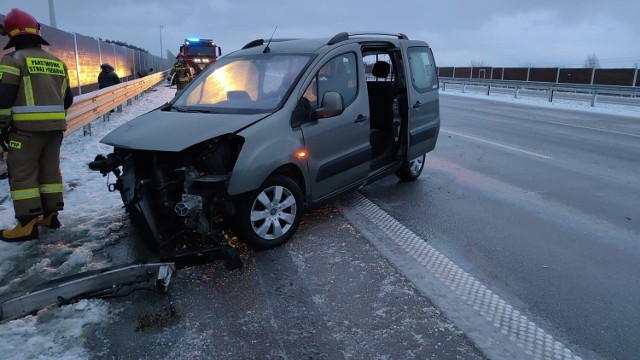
column 35, row 180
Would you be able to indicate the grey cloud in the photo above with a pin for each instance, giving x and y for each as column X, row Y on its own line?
column 498, row 32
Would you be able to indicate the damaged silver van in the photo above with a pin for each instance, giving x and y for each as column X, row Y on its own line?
column 273, row 129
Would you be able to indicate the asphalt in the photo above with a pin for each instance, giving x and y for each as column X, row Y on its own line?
column 327, row 294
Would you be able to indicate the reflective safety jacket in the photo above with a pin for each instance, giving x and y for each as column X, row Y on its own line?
column 182, row 72
column 40, row 83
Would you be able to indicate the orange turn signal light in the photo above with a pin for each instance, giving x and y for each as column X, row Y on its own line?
column 301, row 154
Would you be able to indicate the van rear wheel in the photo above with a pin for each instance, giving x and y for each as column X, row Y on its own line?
column 411, row 170
column 269, row 216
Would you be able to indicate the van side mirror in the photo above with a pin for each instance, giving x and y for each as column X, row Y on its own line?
column 331, row 105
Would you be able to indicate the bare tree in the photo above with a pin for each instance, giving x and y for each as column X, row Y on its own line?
column 592, row 62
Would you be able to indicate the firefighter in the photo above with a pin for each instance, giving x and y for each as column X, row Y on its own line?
column 181, row 71
column 34, row 97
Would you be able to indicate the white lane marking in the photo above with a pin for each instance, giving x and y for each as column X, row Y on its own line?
column 515, row 326
column 593, row 128
column 497, row 144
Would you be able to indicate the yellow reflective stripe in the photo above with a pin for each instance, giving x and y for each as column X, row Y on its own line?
column 51, row 188
column 15, row 32
column 5, row 111
column 25, row 194
column 28, row 90
column 10, row 70
column 64, row 87
column 39, row 116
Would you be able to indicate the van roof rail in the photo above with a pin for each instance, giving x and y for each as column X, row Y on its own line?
column 258, row 42
column 345, row 36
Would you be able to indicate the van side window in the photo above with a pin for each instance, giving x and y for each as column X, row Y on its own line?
column 340, row 75
column 423, row 70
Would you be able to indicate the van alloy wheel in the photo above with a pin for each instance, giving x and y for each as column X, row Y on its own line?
column 273, row 212
column 270, row 216
column 411, row 170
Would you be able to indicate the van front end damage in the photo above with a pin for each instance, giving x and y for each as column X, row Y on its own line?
column 175, row 194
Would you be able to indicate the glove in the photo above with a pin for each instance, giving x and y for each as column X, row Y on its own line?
column 4, row 139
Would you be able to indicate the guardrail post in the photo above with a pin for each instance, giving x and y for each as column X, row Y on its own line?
column 129, row 102
column 106, row 116
column 464, row 87
column 593, row 98
column 515, row 94
column 551, row 95
column 86, row 130
column 488, row 89
column 119, row 108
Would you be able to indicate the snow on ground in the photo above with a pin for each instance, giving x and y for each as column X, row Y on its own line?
column 93, row 220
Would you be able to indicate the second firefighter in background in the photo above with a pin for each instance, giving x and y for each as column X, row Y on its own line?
column 181, row 72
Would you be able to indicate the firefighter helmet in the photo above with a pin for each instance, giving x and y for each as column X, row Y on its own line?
column 18, row 23
column 180, row 54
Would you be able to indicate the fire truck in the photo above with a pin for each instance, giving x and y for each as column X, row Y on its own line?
column 200, row 53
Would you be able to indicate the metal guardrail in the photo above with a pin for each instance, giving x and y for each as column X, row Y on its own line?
column 91, row 106
column 551, row 88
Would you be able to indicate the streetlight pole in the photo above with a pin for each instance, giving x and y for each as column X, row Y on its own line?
column 162, row 56
column 52, row 15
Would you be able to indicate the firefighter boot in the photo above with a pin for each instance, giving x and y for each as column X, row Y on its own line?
column 25, row 230
column 50, row 221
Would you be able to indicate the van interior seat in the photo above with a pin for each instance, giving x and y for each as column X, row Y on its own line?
column 380, row 108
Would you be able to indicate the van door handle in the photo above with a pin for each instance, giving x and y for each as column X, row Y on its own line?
column 361, row 118
column 417, row 105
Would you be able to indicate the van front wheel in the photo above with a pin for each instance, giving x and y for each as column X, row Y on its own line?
column 410, row 170
column 269, row 216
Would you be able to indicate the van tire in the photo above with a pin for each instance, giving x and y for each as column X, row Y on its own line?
column 277, row 206
column 411, row 170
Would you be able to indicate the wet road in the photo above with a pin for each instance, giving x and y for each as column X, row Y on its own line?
column 541, row 205
column 327, row 294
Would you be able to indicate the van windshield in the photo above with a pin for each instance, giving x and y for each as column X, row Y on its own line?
column 244, row 84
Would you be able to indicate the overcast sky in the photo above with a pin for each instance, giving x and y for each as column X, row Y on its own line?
column 492, row 32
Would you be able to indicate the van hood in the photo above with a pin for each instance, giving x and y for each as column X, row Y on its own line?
column 175, row 131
